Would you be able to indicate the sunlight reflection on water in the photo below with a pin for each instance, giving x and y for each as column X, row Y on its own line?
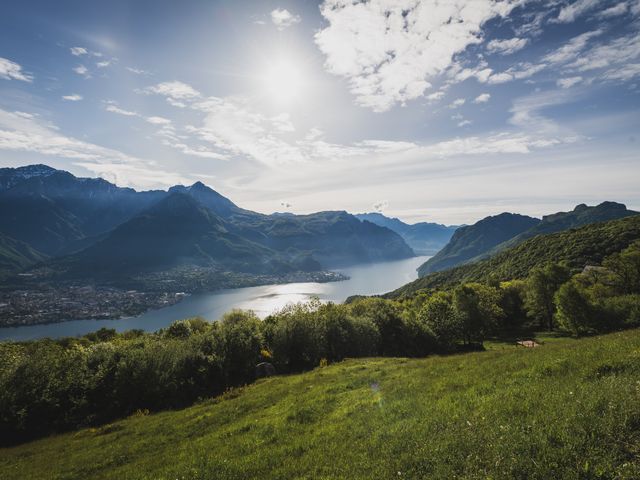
column 368, row 279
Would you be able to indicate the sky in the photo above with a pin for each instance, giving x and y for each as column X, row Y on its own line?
column 431, row 110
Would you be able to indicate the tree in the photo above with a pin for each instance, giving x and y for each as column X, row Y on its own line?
column 542, row 285
column 240, row 343
column 439, row 316
column 625, row 269
column 512, row 294
column 387, row 317
column 477, row 309
column 575, row 313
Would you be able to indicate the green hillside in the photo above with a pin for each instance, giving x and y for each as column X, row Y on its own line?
column 558, row 222
column 473, row 240
column 16, row 255
column 587, row 245
column 492, row 235
column 567, row 409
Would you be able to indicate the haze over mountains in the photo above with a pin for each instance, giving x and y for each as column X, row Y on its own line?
column 424, row 237
column 92, row 229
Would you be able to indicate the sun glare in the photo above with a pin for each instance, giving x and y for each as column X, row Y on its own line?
column 283, row 81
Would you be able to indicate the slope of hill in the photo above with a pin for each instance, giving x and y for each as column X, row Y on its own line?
column 178, row 230
column 181, row 231
column 424, row 238
column 558, row 222
column 587, row 245
column 55, row 209
column 568, row 406
column 16, row 255
column 470, row 241
column 334, row 238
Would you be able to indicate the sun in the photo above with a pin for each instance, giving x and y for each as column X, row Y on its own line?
column 283, row 81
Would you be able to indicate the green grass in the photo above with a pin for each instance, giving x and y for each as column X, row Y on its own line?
column 568, row 409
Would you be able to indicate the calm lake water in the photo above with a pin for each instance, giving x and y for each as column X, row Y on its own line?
column 368, row 279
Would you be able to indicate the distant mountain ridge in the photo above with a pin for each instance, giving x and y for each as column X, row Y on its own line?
column 470, row 241
column 423, row 237
column 579, row 216
column 90, row 228
column 470, row 244
column 576, row 247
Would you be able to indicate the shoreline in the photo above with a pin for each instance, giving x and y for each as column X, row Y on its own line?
column 133, row 302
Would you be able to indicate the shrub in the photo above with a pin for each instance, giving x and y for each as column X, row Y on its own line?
column 179, row 329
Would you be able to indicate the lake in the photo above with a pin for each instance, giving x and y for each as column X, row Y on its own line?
column 366, row 279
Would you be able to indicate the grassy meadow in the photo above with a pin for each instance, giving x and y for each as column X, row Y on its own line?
column 567, row 409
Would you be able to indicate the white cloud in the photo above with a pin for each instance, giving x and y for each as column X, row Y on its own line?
column 144, row 175
column 568, row 82
column 12, row 71
column 78, row 51
column 233, row 128
column 481, row 72
column 175, row 92
column 158, row 120
column 507, row 46
column 482, row 98
column 618, row 9
column 154, row 120
column 458, row 102
column 390, row 50
column 501, row 77
column 432, row 97
column 617, row 54
column 110, row 107
column 29, row 116
column 138, row 71
column 104, row 64
column 72, row 98
column 570, row 12
column 571, row 49
column 283, row 123
column 282, row 18
column 27, row 133
column 81, row 51
column 82, row 70
column 623, row 73
column 464, row 123
column 562, row 55
column 526, row 113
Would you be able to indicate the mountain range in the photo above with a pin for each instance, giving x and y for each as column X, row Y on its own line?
column 495, row 234
column 424, row 238
column 89, row 229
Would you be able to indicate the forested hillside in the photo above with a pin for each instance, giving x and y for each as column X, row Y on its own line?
column 472, row 240
column 576, row 248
